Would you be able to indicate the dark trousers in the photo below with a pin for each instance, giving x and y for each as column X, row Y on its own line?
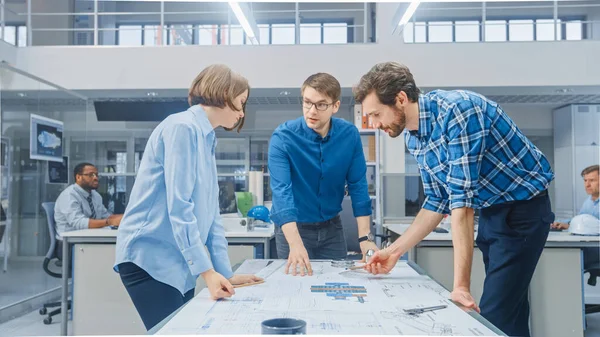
column 323, row 240
column 511, row 237
column 153, row 300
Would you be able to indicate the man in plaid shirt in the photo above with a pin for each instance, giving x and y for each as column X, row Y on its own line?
column 471, row 155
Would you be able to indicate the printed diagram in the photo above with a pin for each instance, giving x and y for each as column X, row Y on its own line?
column 424, row 323
column 331, row 302
column 341, row 291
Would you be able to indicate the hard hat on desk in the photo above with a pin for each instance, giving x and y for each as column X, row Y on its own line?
column 585, row 224
column 259, row 213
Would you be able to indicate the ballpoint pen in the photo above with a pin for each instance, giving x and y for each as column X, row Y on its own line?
column 422, row 310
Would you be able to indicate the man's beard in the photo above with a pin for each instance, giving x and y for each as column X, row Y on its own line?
column 399, row 123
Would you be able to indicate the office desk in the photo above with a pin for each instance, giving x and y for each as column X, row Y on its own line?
column 202, row 316
column 556, row 289
column 100, row 304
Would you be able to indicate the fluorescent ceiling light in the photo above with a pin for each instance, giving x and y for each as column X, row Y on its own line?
column 401, row 17
column 243, row 20
column 409, row 13
column 237, row 10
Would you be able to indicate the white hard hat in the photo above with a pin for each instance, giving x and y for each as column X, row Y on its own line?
column 585, row 224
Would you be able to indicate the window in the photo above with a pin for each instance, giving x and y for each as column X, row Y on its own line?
column 520, row 30
column 420, row 32
column 130, row 35
column 310, row 33
column 440, row 31
column 265, row 34
column 15, row 35
column 467, row 31
column 237, row 35
column 544, row 30
column 408, row 32
column 574, row 30
column 180, row 35
column 10, row 34
column 151, row 36
column 207, row 35
column 495, row 30
column 283, row 34
column 335, row 33
column 22, row 36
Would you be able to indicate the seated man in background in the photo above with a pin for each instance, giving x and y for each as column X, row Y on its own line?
column 79, row 206
column 591, row 180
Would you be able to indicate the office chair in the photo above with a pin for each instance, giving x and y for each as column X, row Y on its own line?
column 53, row 252
column 594, row 270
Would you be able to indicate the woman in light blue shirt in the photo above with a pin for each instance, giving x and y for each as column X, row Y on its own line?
column 173, row 218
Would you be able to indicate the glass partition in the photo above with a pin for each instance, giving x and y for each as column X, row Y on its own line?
column 36, row 119
column 402, row 195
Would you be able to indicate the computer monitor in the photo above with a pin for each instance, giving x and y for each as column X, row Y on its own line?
column 46, row 139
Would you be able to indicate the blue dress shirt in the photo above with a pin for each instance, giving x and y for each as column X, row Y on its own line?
column 308, row 173
column 471, row 154
column 173, row 212
column 590, row 207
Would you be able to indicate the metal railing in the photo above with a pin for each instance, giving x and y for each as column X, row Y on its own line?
column 168, row 23
column 500, row 31
column 502, row 22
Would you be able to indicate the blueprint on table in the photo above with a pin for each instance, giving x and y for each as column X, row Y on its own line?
column 332, row 301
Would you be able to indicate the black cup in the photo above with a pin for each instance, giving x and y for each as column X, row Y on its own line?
column 283, row 326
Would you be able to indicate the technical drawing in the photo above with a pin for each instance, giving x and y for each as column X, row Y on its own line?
column 341, row 291
column 331, row 302
column 422, row 323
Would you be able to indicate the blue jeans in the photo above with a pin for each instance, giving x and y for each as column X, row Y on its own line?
column 153, row 300
column 511, row 238
column 323, row 240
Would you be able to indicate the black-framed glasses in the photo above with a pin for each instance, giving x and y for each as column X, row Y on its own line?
column 91, row 175
column 319, row 106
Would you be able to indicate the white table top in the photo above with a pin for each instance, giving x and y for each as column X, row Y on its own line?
column 552, row 237
column 112, row 233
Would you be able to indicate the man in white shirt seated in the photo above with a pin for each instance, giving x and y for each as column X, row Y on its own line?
column 591, row 179
column 79, row 206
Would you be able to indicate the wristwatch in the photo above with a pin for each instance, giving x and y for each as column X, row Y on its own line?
column 368, row 237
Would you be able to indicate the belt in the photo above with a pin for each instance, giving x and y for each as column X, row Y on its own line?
column 318, row 225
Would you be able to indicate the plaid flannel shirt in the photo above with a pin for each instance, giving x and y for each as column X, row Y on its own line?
column 471, row 154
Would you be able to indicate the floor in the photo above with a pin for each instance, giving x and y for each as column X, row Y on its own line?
column 14, row 289
column 31, row 325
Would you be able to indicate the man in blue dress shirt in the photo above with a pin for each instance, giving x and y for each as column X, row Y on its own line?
column 79, row 206
column 591, row 180
column 471, row 155
column 311, row 160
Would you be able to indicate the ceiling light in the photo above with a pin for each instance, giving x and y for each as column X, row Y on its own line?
column 152, row 94
column 409, row 13
column 284, row 93
column 245, row 20
column 563, row 91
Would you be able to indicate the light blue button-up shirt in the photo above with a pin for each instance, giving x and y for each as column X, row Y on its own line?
column 590, row 207
column 173, row 211
column 72, row 210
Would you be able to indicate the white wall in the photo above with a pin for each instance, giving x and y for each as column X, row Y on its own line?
column 439, row 65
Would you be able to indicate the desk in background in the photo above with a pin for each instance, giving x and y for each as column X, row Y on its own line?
column 100, row 303
column 556, row 289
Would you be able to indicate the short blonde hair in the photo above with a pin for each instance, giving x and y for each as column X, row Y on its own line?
column 217, row 85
